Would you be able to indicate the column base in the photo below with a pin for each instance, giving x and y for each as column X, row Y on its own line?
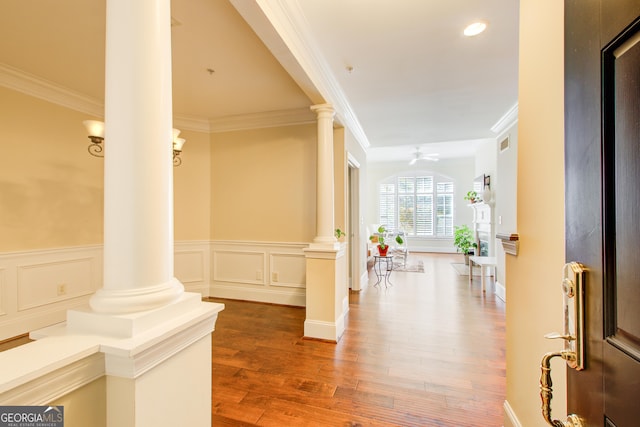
column 325, row 240
column 316, row 250
column 119, row 301
column 84, row 321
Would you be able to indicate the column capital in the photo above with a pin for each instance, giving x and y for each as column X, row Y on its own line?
column 324, row 110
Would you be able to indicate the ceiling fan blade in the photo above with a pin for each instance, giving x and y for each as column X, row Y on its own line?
column 412, row 162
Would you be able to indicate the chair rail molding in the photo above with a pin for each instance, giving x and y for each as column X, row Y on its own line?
column 510, row 242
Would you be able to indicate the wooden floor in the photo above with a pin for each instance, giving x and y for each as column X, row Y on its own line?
column 427, row 351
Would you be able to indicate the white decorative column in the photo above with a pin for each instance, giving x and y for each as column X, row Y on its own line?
column 138, row 177
column 326, row 272
column 324, row 186
column 156, row 338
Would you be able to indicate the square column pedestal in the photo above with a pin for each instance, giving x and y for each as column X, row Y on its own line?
column 327, row 300
column 157, row 362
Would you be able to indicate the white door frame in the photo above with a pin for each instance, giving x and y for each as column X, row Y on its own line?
column 354, row 223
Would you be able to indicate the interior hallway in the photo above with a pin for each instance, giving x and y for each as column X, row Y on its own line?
column 427, row 351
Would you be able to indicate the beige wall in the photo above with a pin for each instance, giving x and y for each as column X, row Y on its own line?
column 86, row 406
column 50, row 187
column 263, row 184
column 192, row 189
column 340, row 179
column 534, row 298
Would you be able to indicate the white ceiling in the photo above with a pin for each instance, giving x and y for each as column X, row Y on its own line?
column 400, row 69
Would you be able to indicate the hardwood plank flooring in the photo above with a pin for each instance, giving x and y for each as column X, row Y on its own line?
column 427, row 351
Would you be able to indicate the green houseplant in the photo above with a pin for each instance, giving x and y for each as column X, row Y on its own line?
column 463, row 241
column 473, row 197
column 380, row 237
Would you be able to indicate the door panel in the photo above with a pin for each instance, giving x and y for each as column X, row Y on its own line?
column 602, row 159
column 621, row 148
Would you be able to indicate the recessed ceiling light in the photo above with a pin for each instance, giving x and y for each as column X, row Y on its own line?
column 475, row 29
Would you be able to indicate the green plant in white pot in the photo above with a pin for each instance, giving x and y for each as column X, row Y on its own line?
column 463, row 241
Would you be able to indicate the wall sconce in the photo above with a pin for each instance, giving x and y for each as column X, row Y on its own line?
column 95, row 129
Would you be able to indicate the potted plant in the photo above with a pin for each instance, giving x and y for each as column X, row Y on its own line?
column 379, row 237
column 463, row 241
column 473, row 197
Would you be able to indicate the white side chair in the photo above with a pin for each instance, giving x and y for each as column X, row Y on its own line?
column 399, row 251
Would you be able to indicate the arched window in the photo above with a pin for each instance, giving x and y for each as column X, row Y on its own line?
column 418, row 203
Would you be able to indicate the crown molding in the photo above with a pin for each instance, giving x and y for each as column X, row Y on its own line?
column 38, row 87
column 294, row 47
column 509, row 119
column 18, row 80
column 192, row 123
column 265, row 119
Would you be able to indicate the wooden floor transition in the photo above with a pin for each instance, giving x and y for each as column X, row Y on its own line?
column 427, row 351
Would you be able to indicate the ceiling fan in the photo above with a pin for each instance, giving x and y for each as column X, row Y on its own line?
column 419, row 156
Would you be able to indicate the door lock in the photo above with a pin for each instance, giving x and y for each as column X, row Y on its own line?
column 573, row 336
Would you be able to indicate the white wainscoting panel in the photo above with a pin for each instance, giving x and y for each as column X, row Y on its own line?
column 38, row 287
column 191, row 266
column 259, row 271
column 288, row 270
column 239, row 266
column 47, row 283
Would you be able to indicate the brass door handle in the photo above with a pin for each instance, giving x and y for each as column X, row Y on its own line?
column 546, row 390
column 555, row 336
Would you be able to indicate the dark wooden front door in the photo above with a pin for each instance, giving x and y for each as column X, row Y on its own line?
column 602, row 156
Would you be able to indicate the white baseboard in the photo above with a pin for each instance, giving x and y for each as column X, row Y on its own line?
column 510, row 418
column 501, row 291
column 323, row 330
column 364, row 281
column 239, row 292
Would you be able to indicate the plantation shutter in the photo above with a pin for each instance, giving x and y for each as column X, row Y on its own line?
column 387, row 208
column 417, row 205
column 444, row 209
column 424, row 200
column 406, row 204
